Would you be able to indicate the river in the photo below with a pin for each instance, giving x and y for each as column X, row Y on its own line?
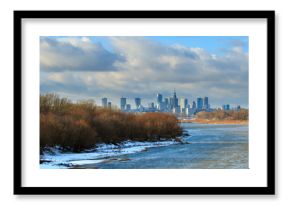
column 206, row 146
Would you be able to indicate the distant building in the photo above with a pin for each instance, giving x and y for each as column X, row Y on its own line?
column 160, row 104
column 159, row 98
column 105, row 102
column 176, row 110
column 175, row 99
column 123, row 102
column 237, row 108
column 183, row 104
column 193, row 105
column 128, row 107
column 171, row 103
column 188, row 111
column 199, row 104
column 137, row 102
column 141, row 108
column 205, row 103
column 109, row 105
column 226, row 107
column 151, row 105
column 166, row 101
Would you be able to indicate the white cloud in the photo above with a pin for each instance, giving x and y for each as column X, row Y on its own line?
column 141, row 67
column 75, row 54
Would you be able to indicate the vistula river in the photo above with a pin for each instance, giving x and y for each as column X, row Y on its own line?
column 205, row 146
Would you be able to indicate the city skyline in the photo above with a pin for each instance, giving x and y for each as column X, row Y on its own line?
column 168, row 103
column 113, row 67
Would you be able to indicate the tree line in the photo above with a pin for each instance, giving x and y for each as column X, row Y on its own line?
column 242, row 114
column 81, row 125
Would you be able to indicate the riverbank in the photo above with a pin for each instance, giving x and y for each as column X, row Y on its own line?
column 208, row 121
column 204, row 146
column 56, row 158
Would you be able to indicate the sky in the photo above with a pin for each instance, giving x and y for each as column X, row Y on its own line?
column 93, row 67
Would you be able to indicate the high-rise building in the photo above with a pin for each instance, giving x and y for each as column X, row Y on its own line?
column 205, row 103
column 109, row 105
column 166, row 100
column 105, row 102
column 137, row 102
column 161, row 106
column 199, row 104
column 159, row 101
column 175, row 99
column 183, row 104
column 159, row 98
column 176, row 110
column 171, row 102
column 188, row 111
column 193, row 105
column 123, row 103
column 226, row 107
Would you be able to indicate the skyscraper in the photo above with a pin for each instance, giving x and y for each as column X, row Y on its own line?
column 194, row 105
column 205, row 103
column 109, row 105
column 183, row 104
column 171, row 102
column 175, row 100
column 226, row 107
column 159, row 98
column 199, row 104
column 105, row 102
column 123, row 103
column 166, row 100
column 137, row 102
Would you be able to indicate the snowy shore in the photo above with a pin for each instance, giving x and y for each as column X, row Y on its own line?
column 54, row 158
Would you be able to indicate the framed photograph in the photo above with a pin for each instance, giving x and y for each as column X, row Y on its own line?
column 144, row 102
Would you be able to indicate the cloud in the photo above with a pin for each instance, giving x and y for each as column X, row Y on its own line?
column 141, row 67
column 75, row 54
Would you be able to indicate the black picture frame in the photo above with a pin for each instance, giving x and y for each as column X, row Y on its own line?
column 19, row 189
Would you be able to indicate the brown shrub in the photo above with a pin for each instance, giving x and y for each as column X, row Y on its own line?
column 81, row 125
column 243, row 114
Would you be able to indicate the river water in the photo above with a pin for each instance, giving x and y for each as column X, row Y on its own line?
column 206, row 146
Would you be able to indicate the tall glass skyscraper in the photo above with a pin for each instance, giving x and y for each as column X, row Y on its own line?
column 205, row 103
column 109, row 105
column 123, row 103
column 199, row 104
column 166, row 101
column 137, row 102
column 175, row 100
column 159, row 98
column 104, row 102
column 193, row 106
column 183, row 103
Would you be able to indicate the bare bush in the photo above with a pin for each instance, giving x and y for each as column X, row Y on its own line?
column 79, row 126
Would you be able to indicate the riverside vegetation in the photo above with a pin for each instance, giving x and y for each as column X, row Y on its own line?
column 240, row 117
column 243, row 114
column 79, row 126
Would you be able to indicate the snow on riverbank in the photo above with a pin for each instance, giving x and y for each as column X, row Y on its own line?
column 53, row 158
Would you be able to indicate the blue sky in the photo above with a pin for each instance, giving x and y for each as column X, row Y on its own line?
column 214, row 44
column 196, row 66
